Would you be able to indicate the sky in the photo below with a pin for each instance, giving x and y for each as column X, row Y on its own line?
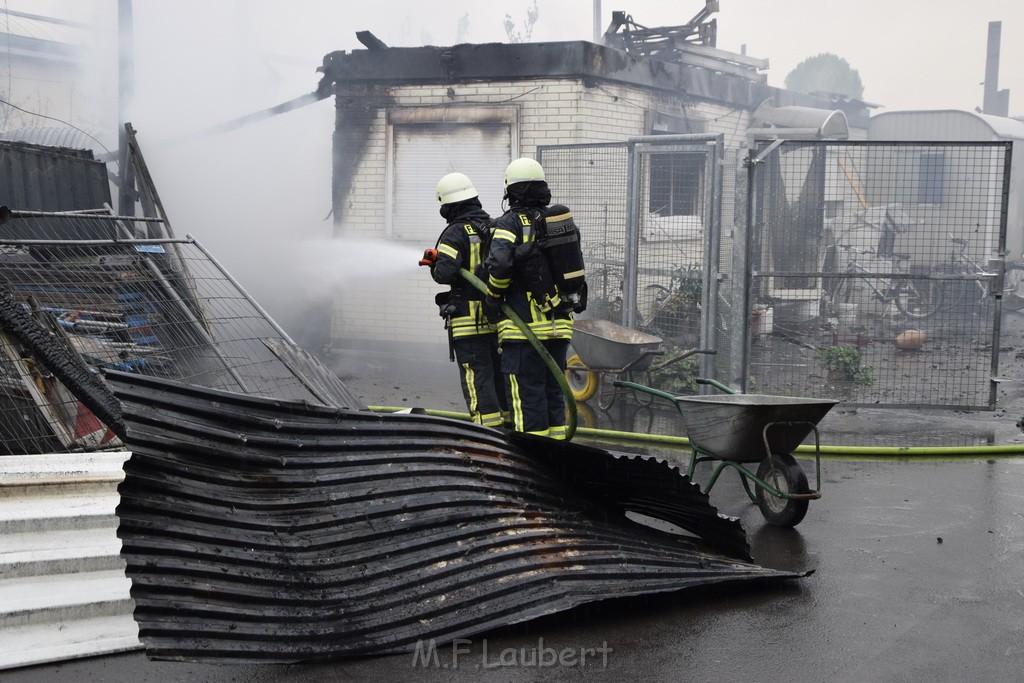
column 909, row 53
column 251, row 193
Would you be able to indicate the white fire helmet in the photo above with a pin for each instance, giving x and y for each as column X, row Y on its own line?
column 455, row 187
column 523, row 170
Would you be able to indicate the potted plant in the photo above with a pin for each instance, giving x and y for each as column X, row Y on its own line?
column 843, row 363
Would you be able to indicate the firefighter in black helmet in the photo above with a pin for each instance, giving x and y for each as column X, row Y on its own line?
column 472, row 337
column 535, row 400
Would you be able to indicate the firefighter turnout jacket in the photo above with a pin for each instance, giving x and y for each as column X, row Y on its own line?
column 462, row 245
column 512, row 230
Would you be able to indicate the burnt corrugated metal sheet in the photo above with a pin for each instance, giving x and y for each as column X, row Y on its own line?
column 256, row 529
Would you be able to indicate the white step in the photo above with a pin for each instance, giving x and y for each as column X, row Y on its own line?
column 35, row 599
column 63, row 592
column 62, row 468
column 40, row 513
column 60, row 552
column 69, row 639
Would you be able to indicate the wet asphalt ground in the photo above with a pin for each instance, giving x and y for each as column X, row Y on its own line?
column 918, row 572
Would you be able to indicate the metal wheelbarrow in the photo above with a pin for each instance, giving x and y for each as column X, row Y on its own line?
column 736, row 430
column 602, row 349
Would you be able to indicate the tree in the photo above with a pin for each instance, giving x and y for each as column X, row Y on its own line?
column 514, row 35
column 825, row 73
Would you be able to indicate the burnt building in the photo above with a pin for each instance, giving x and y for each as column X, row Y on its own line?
column 407, row 116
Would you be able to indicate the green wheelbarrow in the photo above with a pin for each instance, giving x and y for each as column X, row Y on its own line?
column 737, row 430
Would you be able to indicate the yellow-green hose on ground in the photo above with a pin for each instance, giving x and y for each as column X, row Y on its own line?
column 570, row 400
column 857, row 451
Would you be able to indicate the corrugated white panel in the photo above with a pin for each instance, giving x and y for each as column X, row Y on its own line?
column 63, row 591
column 423, row 153
column 929, row 126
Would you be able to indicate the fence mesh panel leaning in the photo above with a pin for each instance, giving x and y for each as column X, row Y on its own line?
column 157, row 307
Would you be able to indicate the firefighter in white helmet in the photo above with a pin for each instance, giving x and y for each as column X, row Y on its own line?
column 472, row 337
column 515, row 275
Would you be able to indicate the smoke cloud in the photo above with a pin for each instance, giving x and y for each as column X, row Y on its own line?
column 255, row 192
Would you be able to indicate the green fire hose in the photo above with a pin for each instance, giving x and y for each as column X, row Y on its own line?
column 570, row 401
column 897, row 452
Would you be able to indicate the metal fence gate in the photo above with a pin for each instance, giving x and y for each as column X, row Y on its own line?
column 649, row 211
column 873, row 272
column 593, row 180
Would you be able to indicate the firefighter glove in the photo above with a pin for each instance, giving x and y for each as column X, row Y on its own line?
column 429, row 257
column 492, row 308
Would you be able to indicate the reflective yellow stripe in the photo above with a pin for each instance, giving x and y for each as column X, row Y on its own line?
column 560, row 217
column 491, row 419
column 466, row 321
column 541, row 432
column 517, row 404
column 543, row 329
column 471, row 332
column 474, row 252
column 558, row 433
column 448, row 250
column 470, row 325
column 503, row 234
column 468, row 377
column 575, row 273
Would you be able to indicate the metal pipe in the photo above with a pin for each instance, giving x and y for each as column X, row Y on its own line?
column 676, row 137
column 630, row 281
column 712, row 245
column 76, row 214
column 741, row 298
column 91, row 243
column 997, row 328
column 125, row 93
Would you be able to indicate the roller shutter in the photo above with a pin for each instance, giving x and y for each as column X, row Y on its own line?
column 423, row 153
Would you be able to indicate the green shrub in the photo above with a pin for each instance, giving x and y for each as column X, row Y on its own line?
column 845, row 360
column 679, row 377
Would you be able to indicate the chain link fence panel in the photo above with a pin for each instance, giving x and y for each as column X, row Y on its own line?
column 877, row 274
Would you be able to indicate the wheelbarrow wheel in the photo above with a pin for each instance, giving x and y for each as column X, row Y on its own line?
column 788, row 478
column 582, row 381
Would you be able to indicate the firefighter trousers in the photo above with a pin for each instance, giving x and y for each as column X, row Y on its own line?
column 535, row 399
column 483, row 386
